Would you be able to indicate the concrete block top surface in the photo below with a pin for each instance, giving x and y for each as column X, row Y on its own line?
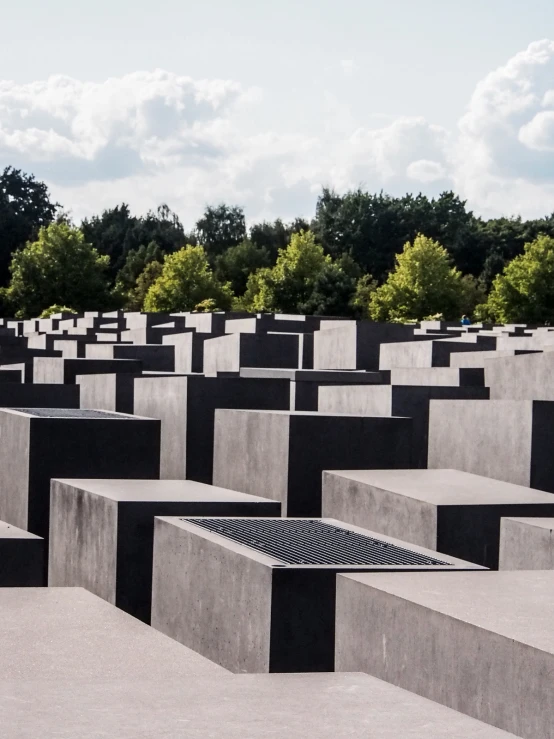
column 338, row 376
column 518, row 605
column 162, row 490
column 446, row 487
column 312, row 414
column 539, row 523
column 296, row 706
column 7, row 531
column 70, row 634
column 74, row 414
column 301, row 543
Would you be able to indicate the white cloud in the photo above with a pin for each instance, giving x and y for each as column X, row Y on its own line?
column 348, row 66
column 153, row 137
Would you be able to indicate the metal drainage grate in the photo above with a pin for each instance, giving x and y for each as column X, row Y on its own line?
column 67, row 413
column 311, row 542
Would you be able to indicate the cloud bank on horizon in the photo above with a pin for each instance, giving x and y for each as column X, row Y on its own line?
column 153, row 137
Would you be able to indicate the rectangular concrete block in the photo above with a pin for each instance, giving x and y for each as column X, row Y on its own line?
column 445, row 510
column 273, row 609
column 188, row 350
column 21, row 558
column 230, row 353
column 355, row 345
column 154, row 357
column 64, row 371
column 40, row 444
column 396, row 400
column 526, row 377
column 38, row 396
column 102, row 531
column 186, row 407
column 480, row 643
column 423, row 353
column 282, row 455
column 504, row 439
column 527, row 544
column 445, row 376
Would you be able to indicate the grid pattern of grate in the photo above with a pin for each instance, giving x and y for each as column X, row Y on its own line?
column 67, row 413
column 311, row 542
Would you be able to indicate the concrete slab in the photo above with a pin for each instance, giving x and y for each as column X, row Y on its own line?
column 282, row 454
column 281, row 573
column 411, row 401
column 527, row 544
column 430, row 376
column 482, row 644
column 504, row 439
column 102, row 531
column 445, row 510
column 327, row 706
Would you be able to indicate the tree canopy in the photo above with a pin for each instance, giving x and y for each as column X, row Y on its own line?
column 220, row 228
column 185, row 281
column 25, row 207
column 524, row 292
column 424, row 283
column 59, row 268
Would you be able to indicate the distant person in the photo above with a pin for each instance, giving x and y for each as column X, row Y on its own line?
column 465, row 321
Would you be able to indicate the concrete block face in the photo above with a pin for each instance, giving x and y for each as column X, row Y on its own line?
column 290, row 606
column 38, row 396
column 525, row 377
column 38, row 448
column 108, row 392
column 21, row 558
column 154, row 357
column 188, row 350
column 527, row 544
column 444, row 376
column 493, row 438
column 390, row 400
column 490, row 642
column 444, row 510
column 282, row 455
column 186, row 407
column 356, row 345
column 187, row 606
column 102, row 532
column 58, row 370
column 230, row 353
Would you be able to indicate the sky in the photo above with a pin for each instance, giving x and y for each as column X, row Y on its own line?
column 261, row 104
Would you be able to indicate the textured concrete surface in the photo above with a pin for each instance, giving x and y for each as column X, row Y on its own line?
column 154, row 357
column 527, row 544
column 230, row 353
column 446, row 510
column 396, row 400
column 186, row 407
column 504, row 439
column 102, row 531
column 527, row 377
column 33, row 450
column 38, row 396
column 429, row 376
column 64, row 371
column 327, row 706
column 482, row 644
column 264, row 615
column 282, row 454
column 355, row 345
column 423, row 354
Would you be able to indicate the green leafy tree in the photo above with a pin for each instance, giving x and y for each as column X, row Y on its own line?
column 185, row 281
column 135, row 298
column 237, row 263
column 424, row 283
column 137, row 260
column 365, row 287
column 289, row 284
column 276, row 235
column 25, row 207
column 116, row 233
column 58, row 268
column 220, row 228
column 332, row 293
column 54, row 309
column 524, row 292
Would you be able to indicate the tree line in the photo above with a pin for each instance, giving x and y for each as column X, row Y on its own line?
column 362, row 255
